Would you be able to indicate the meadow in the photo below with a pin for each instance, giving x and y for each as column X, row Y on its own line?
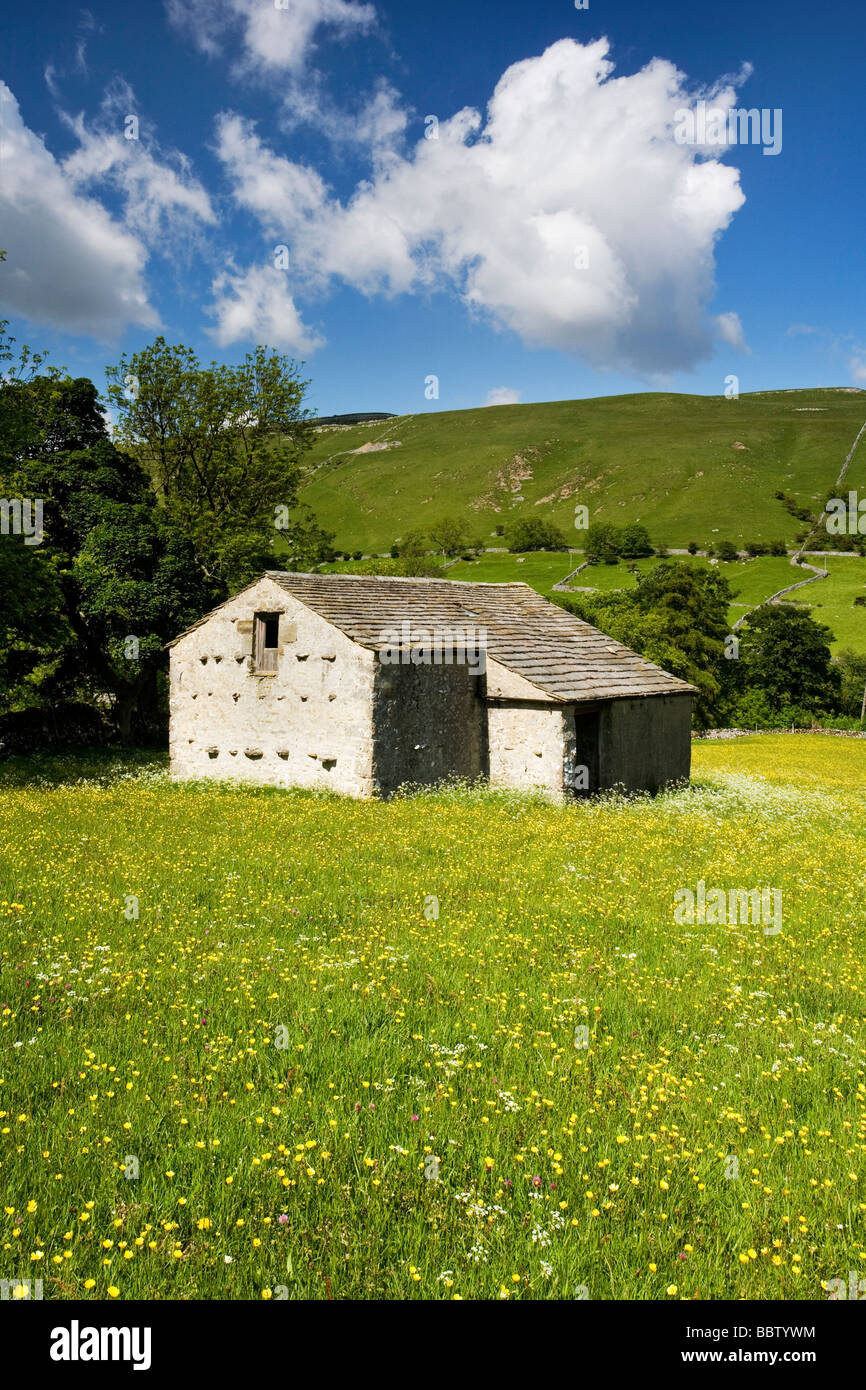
column 260, row 1044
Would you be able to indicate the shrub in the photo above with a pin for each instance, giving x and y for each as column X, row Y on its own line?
column 534, row 534
column 727, row 552
column 43, row 730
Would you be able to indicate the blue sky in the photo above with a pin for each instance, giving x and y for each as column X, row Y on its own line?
column 560, row 243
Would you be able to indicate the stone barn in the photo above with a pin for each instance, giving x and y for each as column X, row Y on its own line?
column 362, row 684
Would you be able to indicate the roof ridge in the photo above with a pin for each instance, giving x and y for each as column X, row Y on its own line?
column 404, row 579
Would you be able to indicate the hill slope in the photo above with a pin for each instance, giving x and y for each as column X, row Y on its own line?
column 689, row 467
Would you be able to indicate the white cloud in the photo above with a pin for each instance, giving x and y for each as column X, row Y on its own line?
column 571, row 216
column 273, row 39
column 70, row 264
column 163, row 201
column 729, row 330
column 257, row 306
column 857, row 367
column 502, row 395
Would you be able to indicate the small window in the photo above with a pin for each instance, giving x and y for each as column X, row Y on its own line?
column 266, row 637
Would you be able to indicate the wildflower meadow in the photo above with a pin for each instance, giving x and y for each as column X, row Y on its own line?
column 263, row 1044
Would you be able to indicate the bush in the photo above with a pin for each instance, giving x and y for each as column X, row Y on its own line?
column 405, row 566
column 63, row 726
column 727, row 552
column 534, row 534
column 634, row 542
column 602, row 544
column 606, row 543
column 692, row 547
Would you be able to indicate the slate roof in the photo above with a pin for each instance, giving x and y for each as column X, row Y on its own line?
column 566, row 658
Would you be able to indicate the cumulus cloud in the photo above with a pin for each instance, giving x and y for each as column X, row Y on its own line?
column 163, row 201
column 729, row 330
column 257, row 306
column 857, row 367
column 502, row 395
column 273, row 38
column 569, row 216
column 70, row 264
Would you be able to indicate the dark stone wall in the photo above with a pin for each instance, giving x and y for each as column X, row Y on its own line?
column 645, row 744
column 428, row 724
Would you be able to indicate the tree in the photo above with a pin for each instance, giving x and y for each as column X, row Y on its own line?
column 448, row 535
column 413, row 544
column 307, row 544
column 785, row 653
column 532, row 533
column 222, row 445
column 123, row 570
column 601, row 545
column 677, row 618
column 852, row 671
column 634, row 541
column 727, row 552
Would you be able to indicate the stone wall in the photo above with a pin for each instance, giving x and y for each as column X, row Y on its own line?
column 428, row 724
column 527, row 746
column 309, row 724
column 645, row 744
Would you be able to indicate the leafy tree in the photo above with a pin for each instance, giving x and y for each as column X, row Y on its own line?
column 634, row 541
column 601, row 545
column 448, row 535
column 677, row 618
column 121, row 567
column 222, row 445
column 307, row 544
column 785, row 653
column 414, row 543
column 532, row 533
column 852, row 671
column 31, row 624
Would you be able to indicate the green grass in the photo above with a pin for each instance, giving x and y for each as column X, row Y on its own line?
column 436, row 1124
column 831, row 601
column 666, row 460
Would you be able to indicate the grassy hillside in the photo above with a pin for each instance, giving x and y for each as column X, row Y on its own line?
column 321, row 1089
column 673, row 462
